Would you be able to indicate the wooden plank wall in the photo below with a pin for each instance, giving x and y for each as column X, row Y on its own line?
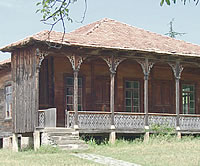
column 191, row 75
column 89, row 71
column 128, row 70
column 25, row 90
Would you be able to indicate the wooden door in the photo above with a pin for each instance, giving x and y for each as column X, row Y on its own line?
column 162, row 96
column 102, row 93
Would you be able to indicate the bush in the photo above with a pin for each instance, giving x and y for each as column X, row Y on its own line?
column 48, row 149
column 162, row 132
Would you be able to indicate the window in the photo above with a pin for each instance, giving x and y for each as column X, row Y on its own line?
column 70, row 93
column 8, row 93
column 132, row 96
column 188, row 98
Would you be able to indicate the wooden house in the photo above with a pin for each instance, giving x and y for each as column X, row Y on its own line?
column 5, row 103
column 105, row 77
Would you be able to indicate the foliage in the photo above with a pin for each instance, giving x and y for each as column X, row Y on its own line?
column 161, row 129
column 48, row 149
column 162, row 133
column 54, row 11
column 168, row 2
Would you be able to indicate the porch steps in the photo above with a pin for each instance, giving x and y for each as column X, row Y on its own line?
column 65, row 138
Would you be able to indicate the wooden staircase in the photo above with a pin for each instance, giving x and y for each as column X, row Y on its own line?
column 65, row 138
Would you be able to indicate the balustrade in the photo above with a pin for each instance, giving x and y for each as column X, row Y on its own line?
column 131, row 121
column 41, row 118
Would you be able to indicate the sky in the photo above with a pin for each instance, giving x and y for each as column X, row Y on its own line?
column 18, row 18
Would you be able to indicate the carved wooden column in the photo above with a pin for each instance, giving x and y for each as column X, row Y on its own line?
column 177, row 69
column 40, row 57
column 112, row 63
column 76, row 62
column 146, row 67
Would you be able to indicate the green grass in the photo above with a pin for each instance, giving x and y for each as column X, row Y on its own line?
column 46, row 156
column 159, row 151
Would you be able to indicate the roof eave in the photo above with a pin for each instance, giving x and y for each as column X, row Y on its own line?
column 31, row 41
column 14, row 46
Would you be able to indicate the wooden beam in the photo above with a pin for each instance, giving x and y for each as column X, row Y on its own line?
column 39, row 59
column 112, row 63
column 76, row 62
column 76, row 96
column 146, row 67
column 112, row 96
column 177, row 70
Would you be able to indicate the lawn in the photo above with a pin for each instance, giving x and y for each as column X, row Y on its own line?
column 44, row 157
column 156, row 152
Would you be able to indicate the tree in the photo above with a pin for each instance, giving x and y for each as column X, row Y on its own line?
column 168, row 2
column 54, row 11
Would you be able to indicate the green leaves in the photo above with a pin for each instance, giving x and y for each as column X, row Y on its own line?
column 174, row 1
column 167, row 1
column 52, row 10
column 161, row 3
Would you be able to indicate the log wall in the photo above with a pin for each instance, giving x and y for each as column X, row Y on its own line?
column 25, row 90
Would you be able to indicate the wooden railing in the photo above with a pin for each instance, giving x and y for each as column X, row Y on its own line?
column 189, row 122
column 41, row 118
column 47, row 118
column 90, row 119
column 162, row 119
column 130, row 121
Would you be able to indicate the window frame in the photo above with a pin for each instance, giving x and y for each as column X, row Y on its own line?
column 141, row 109
column 7, row 117
column 195, row 96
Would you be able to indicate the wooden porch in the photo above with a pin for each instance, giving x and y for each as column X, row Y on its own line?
column 160, row 100
column 124, row 122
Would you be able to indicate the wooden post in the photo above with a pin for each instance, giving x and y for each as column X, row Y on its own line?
column 76, row 98
column 177, row 102
column 178, row 132
column 177, row 69
column 40, row 57
column 147, row 134
column 76, row 62
column 146, row 99
column 112, row 96
column 36, row 140
column 112, row 63
column 146, row 67
column 112, row 136
column 15, row 147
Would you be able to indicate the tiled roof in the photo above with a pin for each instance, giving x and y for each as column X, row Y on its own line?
column 5, row 64
column 109, row 33
column 5, row 61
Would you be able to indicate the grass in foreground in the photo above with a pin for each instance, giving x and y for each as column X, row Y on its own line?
column 159, row 151
column 46, row 156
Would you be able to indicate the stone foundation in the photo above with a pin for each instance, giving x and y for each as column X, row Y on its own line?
column 7, row 143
